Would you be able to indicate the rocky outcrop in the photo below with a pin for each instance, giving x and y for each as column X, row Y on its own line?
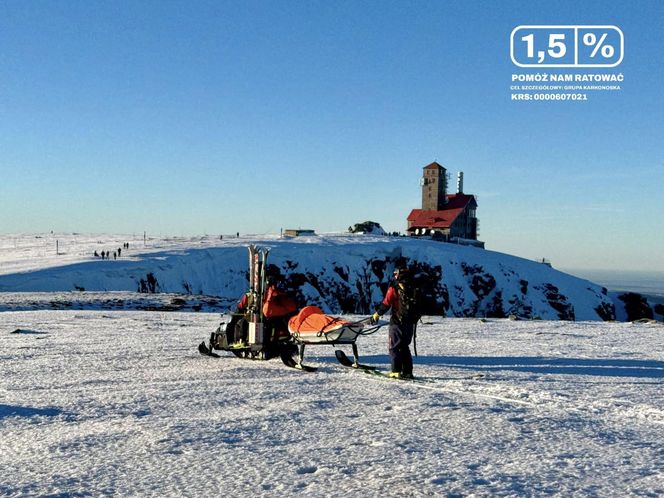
column 350, row 275
column 636, row 306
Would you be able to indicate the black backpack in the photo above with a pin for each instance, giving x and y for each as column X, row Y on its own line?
column 410, row 307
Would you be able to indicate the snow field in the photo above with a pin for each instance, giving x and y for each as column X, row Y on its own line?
column 121, row 403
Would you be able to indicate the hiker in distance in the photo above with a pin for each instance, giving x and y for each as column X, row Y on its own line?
column 402, row 299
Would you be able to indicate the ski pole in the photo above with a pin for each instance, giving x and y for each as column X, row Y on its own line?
column 415, row 338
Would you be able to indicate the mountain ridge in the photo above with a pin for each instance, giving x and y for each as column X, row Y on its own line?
column 348, row 275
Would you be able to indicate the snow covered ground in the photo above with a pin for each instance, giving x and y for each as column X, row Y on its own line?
column 28, row 252
column 98, row 398
column 99, row 403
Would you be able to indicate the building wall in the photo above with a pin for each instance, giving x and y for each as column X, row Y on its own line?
column 465, row 226
column 434, row 188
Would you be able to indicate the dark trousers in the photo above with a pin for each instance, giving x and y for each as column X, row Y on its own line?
column 399, row 338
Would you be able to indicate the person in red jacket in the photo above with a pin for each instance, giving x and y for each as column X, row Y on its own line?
column 278, row 306
column 276, row 302
column 401, row 299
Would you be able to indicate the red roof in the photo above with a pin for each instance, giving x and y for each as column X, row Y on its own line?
column 433, row 165
column 444, row 218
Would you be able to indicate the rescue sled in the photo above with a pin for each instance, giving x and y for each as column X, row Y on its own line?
column 311, row 326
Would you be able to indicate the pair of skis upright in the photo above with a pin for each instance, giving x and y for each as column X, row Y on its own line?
column 257, row 288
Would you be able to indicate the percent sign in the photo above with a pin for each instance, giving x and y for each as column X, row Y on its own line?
column 590, row 40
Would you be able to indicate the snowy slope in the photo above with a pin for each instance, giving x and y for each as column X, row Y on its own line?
column 101, row 403
column 342, row 274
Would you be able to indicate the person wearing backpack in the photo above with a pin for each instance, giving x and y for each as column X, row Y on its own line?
column 402, row 299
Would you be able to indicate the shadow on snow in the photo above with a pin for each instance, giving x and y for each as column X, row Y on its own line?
column 603, row 367
column 27, row 411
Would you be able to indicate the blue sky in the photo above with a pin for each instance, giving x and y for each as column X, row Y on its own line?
column 251, row 116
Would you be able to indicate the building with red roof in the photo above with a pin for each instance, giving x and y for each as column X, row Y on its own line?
column 448, row 217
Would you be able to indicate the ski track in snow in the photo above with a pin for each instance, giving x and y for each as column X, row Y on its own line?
column 120, row 403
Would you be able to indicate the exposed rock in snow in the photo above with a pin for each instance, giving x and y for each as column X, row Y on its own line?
column 344, row 274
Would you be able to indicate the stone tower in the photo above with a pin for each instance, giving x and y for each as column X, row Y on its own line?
column 434, row 187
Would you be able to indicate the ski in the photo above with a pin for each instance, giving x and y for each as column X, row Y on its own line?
column 263, row 274
column 343, row 358
column 386, row 375
column 428, row 380
column 252, row 261
column 346, row 361
column 204, row 350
